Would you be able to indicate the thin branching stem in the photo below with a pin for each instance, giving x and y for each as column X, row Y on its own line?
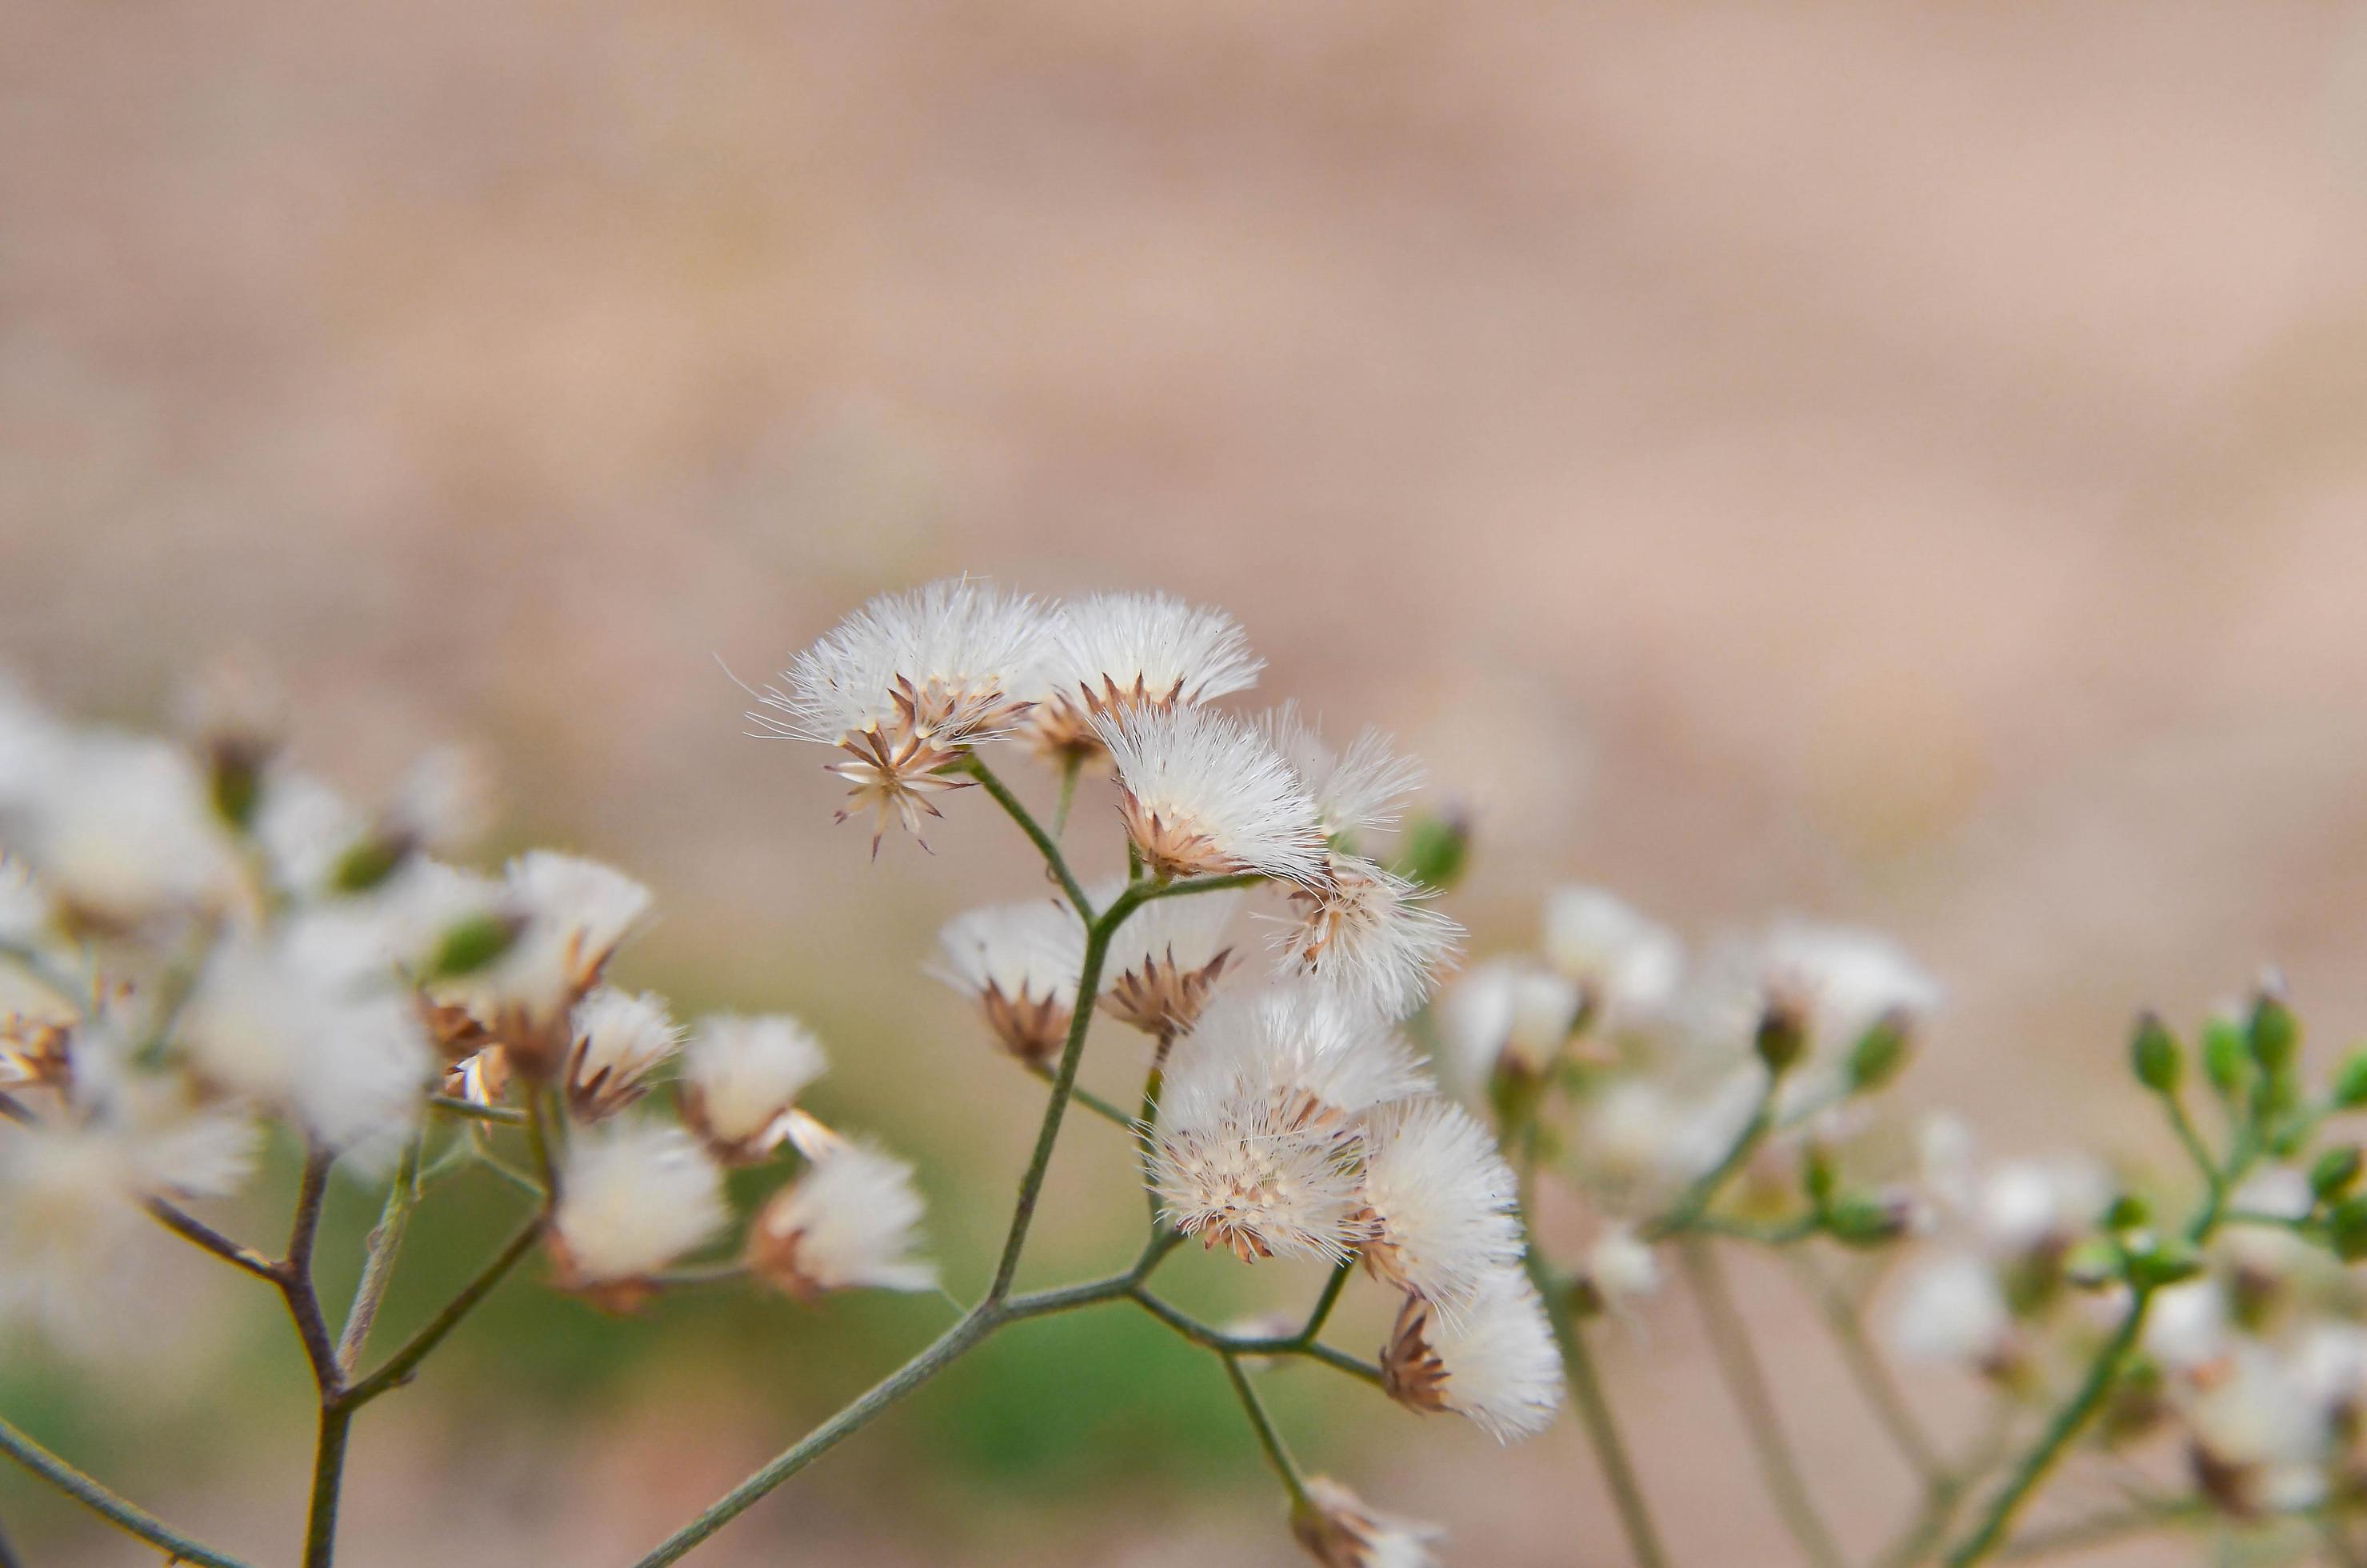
column 400, row 1366
column 190, row 1228
column 1270, row 1439
column 377, row 1262
column 469, row 1110
column 1738, row 1363
column 1694, row 1202
column 1087, row 1098
column 127, row 1517
column 1871, row 1372
column 1054, row 860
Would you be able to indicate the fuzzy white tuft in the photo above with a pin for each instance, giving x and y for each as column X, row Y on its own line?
column 1339, row 1529
column 1495, row 1363
column 1355, row 792
column 850, row 1220
column 1265, row 1172
column 741, row 1075
column 966, row 649
column 1628, row 966
column 1111, row 650
column 1203, row 792
column 1034, row 950
column 1441, row 1200
column 1296, row 1040
column 1507, row 1013
column 621, row 1039
column 1952, row 1310
column 634, row 1195
column 1370, row 933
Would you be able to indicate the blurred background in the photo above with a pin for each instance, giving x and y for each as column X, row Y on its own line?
column 1899, row 466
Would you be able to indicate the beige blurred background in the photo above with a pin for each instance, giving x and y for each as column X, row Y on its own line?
column 1905, row 465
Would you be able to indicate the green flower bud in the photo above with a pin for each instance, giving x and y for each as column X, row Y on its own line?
column 2128, row 1213
column 1866, row 1222
column 2336, row 1173
column 2274, row 1034
column 470, row 945
column 2350, row 1082
column 1782, row 1036
column 2346, row 1229
column 1879, row 1054
column 1436, row 849
column 368, row 862
column 2093, row 1264
column 2155, row 1056
column 1817, row 1174
column 2164, row 1263
column 2226, row 1057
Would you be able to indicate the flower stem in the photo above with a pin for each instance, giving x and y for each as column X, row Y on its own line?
column 1695, row 1199
column 124, row 1516
column 189, row 1228
column 1053, row 859
column 1268, row 1438
column 377, row 1263
column 328, row 1482
column 397, row 1367
column 1872, row 1374
column 1747, row 1381
column 1070, row 766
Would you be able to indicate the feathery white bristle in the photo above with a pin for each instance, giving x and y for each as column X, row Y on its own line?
column 959, row 635
column 748, row 1071
column 621, row 1039
column 852, row 1219
column 1370, row 933
column 1214, row 787
column 1442, row 1202
column 1347, row 1532
column 1502, row 1371
column 1262, row 1172
column 1156, row 643
column 635, row 1195
column 1622, row 1267
column 1355, row 792
column 1295, row 1040
column 577, row 912
column 1034, row 950
column 119, row 825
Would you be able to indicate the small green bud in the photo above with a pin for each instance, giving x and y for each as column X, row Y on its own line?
column 1865, row 1222
column 2093, row 1264
column 2155, row 1056
column 2164, row 1263
column 236, row 785
column 1879, row 1054
column 2226, row 1057
column 368, row 862
column 1817, row 1174
column 2336, row 1173
column 2273, row 1032
column 1782, row 1036
column 2350, row 1082
column 470, row 945
column 2129, row 1212
column 1436, row 849
column 2346, row 1229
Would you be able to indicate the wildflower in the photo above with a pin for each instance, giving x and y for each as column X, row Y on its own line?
column 1201, row 793
column 1339, row 1530
column 1165, row 961
column 741, row 1079
column 1952, row 1309
column 1841, row 983
column 1356, row 791
column 1629, row 1130
column 1494, row 1363
column 1022, row 963
column 1115, row 653
column 1620, row 1269
column 309, row 1022
column 850, row 1221
column 905, row 686
column 1368, row 932
column 1294, row 1042
column 1510, row 1014
column 620, row 1040
column 2187, row 1328
column 634, row 1195
column 571, row 914
column 121, row 830
column 1265, row 1172
column 1440, row 1200
column 2257, row 1440
column 2027, row 1207
column 1626, row 966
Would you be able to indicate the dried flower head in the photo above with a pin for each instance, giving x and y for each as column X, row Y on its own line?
column 1021, row 963
column 741, row 1079
column 1201, row 792
column 620, row 1040
column 1440, row 1202
column 850, row 1220
column 634, row 1195
column 905, row 686
column 1494, row 1363
column 1296, row 1041
column 1163, row 963
column 1368, row 932
column 1338, row 1529
column 1119, row 653
column 119, row 827
column 1263, row 1172
column 1356, row 791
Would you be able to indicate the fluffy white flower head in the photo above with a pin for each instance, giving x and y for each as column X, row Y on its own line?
column 1495, row 1363
column 852, row 1221
column 1368, row 932
column 1298, row 1041
column 741, row 1077
column 1264, row 1173
column 1202, row 793
column 1021, row 963
column 1441, row 1202
column 1355, row 792
column 620, row 1040
column 1951, row 1309
column 1338, row 1529
column 1627, row 965
column 1115, row 653
column 1844, row 982
column 1163, row 963
column 634, row 1195
column 1507, row 1013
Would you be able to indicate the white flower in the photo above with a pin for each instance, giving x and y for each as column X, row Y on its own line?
column 1628, row 966
column 2026, row 1205
column 1368, row 932
column 1952, row 1309
column 1338, row 1529
column 850, row 1220
column 120, row 828
column 1621, row 1268
column 444, row 803
column 571, row 914
column 1113, row 652
column 1355, row 792
column 2187, row 1327
column 1165, row 961
column 1264, row 1173
column 620, row 1040
column 2330, row 1364
column 634, row 1195
column 1843, row 981
column 1494, row 1363
column 1201, row 792
column 1441, row 1202
column 904, row 685
column 742, row 1077
column 306, row 828
column 2264, row 1437
column 1630, row 1128
column 1511, row 1013
column 1021, row 963
column 1288, row 1042
column 311, row 1022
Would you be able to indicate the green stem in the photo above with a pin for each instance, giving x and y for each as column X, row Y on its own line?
column 1087, row 1098
column 1872, row 1374
column 1737, row 1362
column 1694, row 1202
column 1321, row 1313
column 1593, row 1404
column 1212, row 1338
column 1069, row 767
column 469, row 1110
column 328, row 1482
column 399, row 1367
column 124, row 1516
column 1053, row 859
column 190, row 1228
column 1268, row 1438
column 377, row 1262
column 2097, row 1531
